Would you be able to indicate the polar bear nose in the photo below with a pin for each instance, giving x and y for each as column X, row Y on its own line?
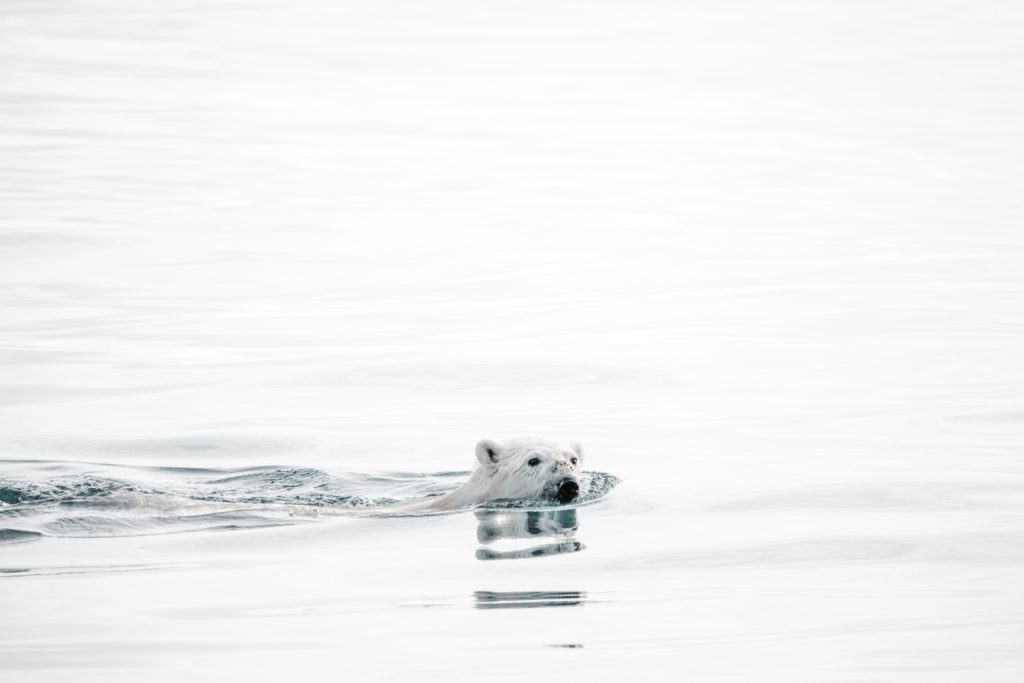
column 568, row 490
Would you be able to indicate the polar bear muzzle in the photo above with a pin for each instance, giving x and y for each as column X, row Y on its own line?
column 567, row 491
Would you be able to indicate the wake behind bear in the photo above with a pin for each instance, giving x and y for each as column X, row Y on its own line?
column 531, row 468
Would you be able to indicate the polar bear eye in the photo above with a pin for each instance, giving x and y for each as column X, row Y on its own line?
column 573, row 461
column 533, row 462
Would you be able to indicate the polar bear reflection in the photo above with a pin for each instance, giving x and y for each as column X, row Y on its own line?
column 500, row 525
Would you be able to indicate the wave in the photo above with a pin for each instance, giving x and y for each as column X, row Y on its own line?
column 46, row 498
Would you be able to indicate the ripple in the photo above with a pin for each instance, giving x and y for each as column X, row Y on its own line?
column 98, row 526
column 1001, row 548
column 61, row 490
column 27, row 394
column 1012, row 417
column 468, row 376
column 50, row 239
column 18, row 536
column 76, row 499
column 176, row 446
column 14, row 572
column 545, row 550
column 528, row 599
column 886, row 495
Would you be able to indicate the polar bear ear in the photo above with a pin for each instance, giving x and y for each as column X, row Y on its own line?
column 577, row 449
column 487, row 452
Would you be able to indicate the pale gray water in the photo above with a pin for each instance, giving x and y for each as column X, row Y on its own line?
column 764, row 260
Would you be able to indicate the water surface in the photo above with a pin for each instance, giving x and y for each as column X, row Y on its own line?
column 263, row 264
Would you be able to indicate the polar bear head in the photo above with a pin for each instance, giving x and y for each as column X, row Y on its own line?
column 530, row 468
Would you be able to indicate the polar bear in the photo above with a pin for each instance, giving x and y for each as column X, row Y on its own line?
column 518, row 468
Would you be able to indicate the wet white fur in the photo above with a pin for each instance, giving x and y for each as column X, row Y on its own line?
column 503, row 471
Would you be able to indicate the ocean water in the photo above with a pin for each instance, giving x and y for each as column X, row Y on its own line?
column 266, row 267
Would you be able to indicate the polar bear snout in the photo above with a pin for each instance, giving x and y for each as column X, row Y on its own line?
column 568, row 490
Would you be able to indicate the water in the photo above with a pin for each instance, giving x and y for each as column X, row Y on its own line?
column 42, row 498
column 264, row 266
